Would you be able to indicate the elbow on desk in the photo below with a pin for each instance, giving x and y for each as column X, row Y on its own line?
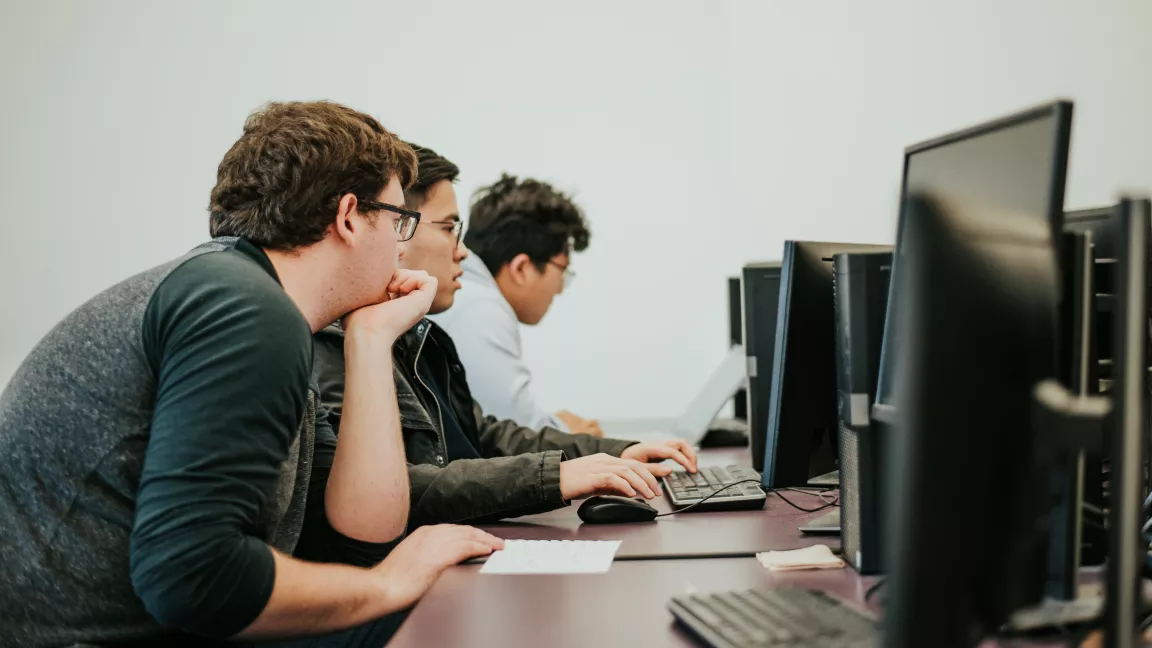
column 212, row 589
column 350, row 517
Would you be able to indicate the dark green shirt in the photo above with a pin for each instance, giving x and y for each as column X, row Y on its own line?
column 153, row 446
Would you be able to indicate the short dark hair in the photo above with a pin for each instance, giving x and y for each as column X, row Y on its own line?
column 512, row 217
column 431, row 167
column 280, row 183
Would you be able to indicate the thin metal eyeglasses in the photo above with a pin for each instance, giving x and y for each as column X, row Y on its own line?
column 457, row 228
column 569, row 275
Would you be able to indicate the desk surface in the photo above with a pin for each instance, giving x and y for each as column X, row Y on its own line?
column 776, row 527
column 625, row 607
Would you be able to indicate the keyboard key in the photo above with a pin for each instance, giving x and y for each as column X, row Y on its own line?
column 785, row 613
column 726, row 624
column 744, row 619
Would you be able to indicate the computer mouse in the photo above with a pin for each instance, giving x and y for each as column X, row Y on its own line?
column 613, row 509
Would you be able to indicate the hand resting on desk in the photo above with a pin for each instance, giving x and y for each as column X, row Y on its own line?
column 415, row 564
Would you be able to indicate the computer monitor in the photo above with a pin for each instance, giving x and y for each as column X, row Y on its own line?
column 1128, row 551
column 736, row 338
column 800, row 440
column 1002, row 173
column 1072, row 468
column 761, row 300
column 1101, row 223
column 975, row 306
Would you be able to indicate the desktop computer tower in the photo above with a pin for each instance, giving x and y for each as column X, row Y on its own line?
column 735, row 338
column 860, row 293
column 761, row 297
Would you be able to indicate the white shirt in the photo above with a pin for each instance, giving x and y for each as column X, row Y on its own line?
column 487, row 336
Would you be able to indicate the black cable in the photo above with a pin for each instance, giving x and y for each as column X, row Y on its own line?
column 874, row 588
column 817, row 492
column 798, row 507
column 711, row 495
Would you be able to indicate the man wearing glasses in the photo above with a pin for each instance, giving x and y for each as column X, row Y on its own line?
column 166, row 474
column 521, row 234
column 465, row 467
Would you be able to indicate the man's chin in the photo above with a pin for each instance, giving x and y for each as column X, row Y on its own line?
column 441, row 305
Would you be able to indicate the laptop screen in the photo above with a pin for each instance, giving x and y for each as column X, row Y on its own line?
column 721, row 386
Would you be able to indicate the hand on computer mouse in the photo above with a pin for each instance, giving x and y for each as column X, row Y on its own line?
column 678, row 451
column 603, row 474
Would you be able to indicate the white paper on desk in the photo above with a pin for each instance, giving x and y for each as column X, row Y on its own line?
column 552, row 557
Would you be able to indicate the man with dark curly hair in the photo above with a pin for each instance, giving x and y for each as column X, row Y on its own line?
column 521, row 233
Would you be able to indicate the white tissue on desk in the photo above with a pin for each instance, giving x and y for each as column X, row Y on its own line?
column 814, row 557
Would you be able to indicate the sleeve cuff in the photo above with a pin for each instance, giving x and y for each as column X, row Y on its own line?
column 615, row 447
column 550, row 492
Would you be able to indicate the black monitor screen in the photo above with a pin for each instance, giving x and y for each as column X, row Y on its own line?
column 976, row 285
column 995, row 170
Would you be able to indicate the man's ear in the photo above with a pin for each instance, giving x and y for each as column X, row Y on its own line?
column 518, row 268
column 348, row 221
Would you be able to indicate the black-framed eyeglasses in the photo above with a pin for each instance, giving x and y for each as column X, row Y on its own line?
column 406, row 222
column 457, row 228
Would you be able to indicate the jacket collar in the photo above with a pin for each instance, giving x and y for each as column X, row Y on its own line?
column 424, row 332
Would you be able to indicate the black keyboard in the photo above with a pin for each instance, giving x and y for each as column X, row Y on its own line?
column 785, row 616
column 684, row 489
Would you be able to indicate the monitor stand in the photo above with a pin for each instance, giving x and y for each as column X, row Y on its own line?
column 827, row 524
column 1055, row 614
column 1071, row 424
column 827, row 480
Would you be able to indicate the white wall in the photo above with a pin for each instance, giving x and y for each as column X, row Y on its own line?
column 115, row 115
column 828, row 99
column 697, row 135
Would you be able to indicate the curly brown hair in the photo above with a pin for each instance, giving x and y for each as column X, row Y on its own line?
column 280, row 183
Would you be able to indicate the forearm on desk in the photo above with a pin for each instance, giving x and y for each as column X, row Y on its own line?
column 319, row 598
column 476, row 491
